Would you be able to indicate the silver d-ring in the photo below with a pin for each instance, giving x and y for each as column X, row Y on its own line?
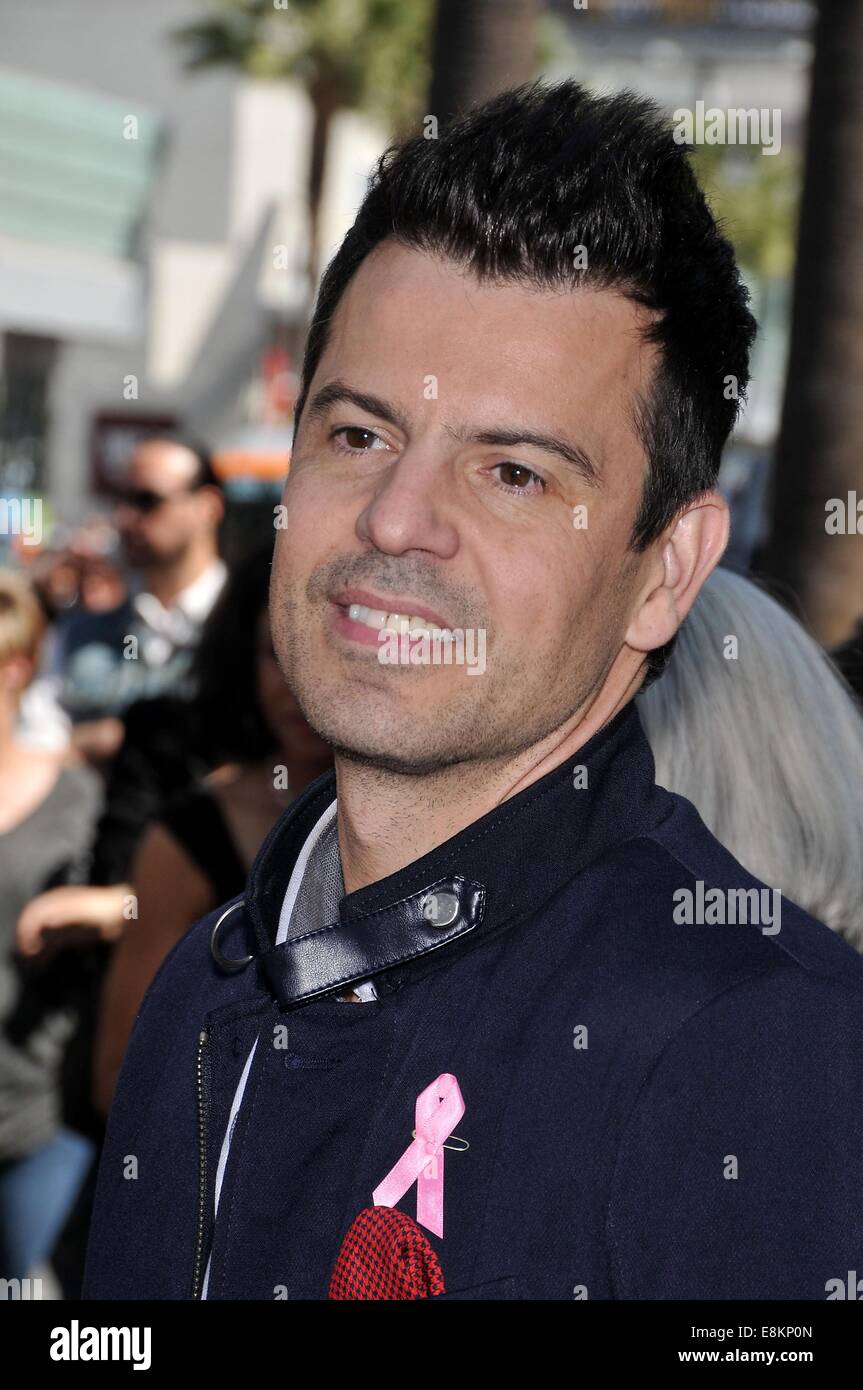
column 222, row 961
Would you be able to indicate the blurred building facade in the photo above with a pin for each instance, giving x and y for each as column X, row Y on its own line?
column 153, row 222
column 153, row 241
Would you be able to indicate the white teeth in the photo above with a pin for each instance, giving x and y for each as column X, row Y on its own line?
column 395, row 622
column 371, row 617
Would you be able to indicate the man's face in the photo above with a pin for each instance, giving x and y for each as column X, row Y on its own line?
column 162, row 513
column 409, row 506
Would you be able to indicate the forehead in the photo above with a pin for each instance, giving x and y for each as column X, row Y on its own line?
column 574, row 356
column 162, row 464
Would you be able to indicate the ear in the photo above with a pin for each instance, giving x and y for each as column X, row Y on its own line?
column 214, row 501
column 691, row 547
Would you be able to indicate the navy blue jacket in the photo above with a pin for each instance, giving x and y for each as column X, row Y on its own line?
column 654, row 1109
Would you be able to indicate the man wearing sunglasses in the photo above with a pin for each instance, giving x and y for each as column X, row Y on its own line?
column 167, row 508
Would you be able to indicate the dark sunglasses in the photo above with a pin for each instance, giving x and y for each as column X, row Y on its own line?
column 141, row 499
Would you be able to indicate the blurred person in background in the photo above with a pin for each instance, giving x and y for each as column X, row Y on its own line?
column 75, row 574
column 54, row 575
column 245, row 724
column 160, row 740
column 170, row 748
column 200, row 849
column 78, row 571
column 167, row 516
column 168, row 508
column 784, row 795
column 47, row 815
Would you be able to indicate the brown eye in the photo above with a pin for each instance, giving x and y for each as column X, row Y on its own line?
column 356, row 439
column 515, row 477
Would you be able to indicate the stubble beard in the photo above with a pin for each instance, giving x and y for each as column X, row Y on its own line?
column 487, row 726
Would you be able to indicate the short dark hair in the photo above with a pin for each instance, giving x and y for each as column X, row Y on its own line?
column 516, row 190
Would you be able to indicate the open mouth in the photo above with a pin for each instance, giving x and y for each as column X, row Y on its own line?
column 369, row 626
column 378, row 620
column 362, row 616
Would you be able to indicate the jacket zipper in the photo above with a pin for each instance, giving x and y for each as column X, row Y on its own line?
column 202, row 1165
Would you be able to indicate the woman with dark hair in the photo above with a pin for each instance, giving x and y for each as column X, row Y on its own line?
column 198, row 851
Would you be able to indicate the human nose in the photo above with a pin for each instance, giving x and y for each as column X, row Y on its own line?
column 410, row 509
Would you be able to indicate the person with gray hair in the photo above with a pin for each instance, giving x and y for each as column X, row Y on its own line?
column 783, row 794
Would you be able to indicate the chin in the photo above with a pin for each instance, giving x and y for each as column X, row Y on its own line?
column 398, row 764
column 367, row 719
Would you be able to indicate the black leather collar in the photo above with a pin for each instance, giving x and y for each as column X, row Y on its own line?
column 493, row 873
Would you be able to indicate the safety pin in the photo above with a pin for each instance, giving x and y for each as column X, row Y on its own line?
column 458, row 1148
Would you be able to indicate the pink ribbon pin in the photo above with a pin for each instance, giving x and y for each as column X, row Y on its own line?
column 438, row 1110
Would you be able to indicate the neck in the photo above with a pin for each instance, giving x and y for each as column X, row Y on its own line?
column 166, row 581
column 387, row 821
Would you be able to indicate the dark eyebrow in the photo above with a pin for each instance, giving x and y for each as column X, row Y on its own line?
column 336, row 391
column 549, row 443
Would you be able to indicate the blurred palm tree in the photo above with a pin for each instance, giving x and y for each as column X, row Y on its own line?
column 755, row 201
column 480, row 48
column 357, row 54
column 820, row 451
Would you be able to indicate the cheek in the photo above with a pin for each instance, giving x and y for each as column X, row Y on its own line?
column 599, row 554
column 543, row 588
column 171, row 528
column 529, row 599
column 559, row 614
column 313, row 524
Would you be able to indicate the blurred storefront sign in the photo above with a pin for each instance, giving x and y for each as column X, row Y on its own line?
column 253, row 458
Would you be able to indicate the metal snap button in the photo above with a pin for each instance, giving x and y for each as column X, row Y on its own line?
column 440, row 909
